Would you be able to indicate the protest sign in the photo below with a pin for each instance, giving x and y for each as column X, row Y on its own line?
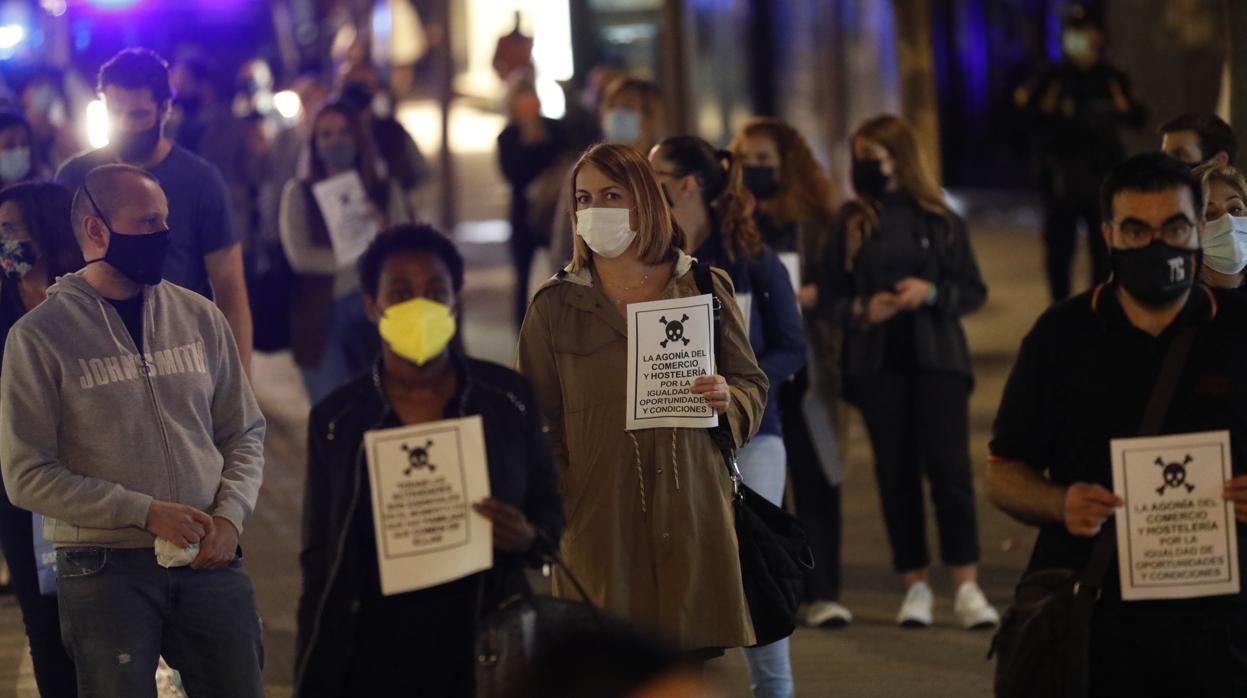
column 348, row 214
column 423, row 481
column 670, row 344
column 1176, row 535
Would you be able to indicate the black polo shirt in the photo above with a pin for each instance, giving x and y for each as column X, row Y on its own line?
column 1084, row 376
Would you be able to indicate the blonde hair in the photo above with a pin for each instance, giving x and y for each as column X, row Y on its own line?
column 807, row 193
column 657, row 233
column 912, row 172
column 1228, row 174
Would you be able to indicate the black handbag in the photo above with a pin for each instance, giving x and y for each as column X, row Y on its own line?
column 1043, row 644
column 774, row 555
column 510, row 635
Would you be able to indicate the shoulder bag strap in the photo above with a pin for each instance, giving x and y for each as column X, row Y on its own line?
column 1153, row 420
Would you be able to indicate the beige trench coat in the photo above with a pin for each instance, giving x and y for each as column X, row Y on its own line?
column 650, row 527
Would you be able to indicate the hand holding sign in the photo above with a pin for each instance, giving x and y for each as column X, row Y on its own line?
column 716, row 391
column 1087, row 507
column 1236, row 491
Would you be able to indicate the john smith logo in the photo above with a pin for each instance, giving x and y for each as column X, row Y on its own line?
column 106, row 370
column 675, row 330
column 418, row 458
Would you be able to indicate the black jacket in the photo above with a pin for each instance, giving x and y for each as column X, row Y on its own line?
column 938, row 340
column 521, row 473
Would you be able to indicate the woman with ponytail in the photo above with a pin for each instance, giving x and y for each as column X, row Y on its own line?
column 710, row 203
column 900, row 277
column 796, row 216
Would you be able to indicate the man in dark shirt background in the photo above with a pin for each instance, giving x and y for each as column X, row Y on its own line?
column 205, row 255
column 1076, row 109
column 1083, row 377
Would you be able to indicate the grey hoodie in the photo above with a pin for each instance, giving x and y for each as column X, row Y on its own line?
column 91, row 432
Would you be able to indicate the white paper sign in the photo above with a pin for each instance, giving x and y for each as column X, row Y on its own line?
column 1176, row 536
column 744, row 301
column 792, row 262
column 424, row 480
column 670, row 344
column 347, row 211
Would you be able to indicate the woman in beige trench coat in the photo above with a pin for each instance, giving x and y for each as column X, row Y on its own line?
column 650, row 529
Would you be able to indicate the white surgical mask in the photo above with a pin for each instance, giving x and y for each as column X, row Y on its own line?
column 621, row 126
column 1225, row 244
column 605, row 230
column 14, row 164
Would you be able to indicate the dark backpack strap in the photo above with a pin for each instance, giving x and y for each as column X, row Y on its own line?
column 1153, row 420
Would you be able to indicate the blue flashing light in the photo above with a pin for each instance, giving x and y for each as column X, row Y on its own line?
column 113, row 5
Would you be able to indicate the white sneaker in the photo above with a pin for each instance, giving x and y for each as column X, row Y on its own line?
column 916, row 609
column 973, row 609
column 826, row 614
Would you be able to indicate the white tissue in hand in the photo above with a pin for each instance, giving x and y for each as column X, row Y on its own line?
column 169, row 554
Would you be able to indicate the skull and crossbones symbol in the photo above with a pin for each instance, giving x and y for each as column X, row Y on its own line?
column 1174, row 474
column 418, row 458
column 675, row 330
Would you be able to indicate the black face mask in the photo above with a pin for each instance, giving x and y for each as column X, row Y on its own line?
column 1156, row 275
column 137, row 147
column 140, row 257
column 868, row 178
column 761, row 181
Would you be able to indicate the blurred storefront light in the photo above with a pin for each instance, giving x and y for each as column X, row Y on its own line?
column 287, row 103
column 97, row 124
column 10, row 36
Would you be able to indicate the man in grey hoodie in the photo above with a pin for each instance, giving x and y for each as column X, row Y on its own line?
column 127, row 421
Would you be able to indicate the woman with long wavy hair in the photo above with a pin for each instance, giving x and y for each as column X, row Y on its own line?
column 708, row 198
column 796, row 217
column 900, row 278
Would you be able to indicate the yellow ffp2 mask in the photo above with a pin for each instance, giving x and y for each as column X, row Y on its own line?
column 418, row 330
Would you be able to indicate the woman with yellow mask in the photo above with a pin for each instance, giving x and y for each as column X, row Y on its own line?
column 352, row 640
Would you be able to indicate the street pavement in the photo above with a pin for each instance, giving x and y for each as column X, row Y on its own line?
column 872, row 657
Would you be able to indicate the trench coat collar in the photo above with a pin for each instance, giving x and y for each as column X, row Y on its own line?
column 590, row 298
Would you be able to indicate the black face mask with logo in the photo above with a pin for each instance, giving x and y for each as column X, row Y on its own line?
column 1158, row 274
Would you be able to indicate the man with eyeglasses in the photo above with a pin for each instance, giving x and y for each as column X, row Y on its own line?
column 1083, row 377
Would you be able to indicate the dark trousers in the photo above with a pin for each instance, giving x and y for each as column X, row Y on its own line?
column 120, row 612
column 54, row 672
column 1060, row 236
column 919, row 423
column 817, row 500
column 1149, row 661
column 523, row 248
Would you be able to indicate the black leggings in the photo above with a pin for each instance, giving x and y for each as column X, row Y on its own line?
column 817, row 500
column 54, row 671
column 919, row 423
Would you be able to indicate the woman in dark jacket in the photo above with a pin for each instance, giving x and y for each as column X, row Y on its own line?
column 900, row 277
column 352, row 640
column 715, row 211
column 36, row 246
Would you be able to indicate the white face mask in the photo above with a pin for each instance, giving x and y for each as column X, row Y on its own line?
column 1225, row 244
column 14, row 164
column 621, row 125
column 605, row 230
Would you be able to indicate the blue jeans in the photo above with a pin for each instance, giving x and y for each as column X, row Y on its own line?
column 764, row 466
column 351, row 345
column 120, row 612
